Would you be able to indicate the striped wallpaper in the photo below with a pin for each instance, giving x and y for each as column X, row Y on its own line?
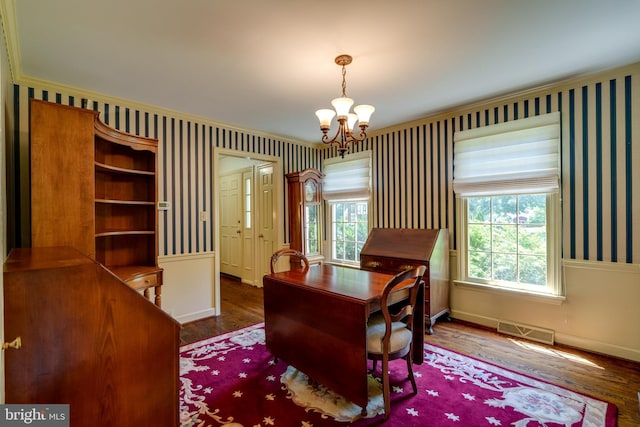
column 412, row 163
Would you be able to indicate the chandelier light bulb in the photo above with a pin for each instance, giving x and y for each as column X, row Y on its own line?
column 325, row 116
column 351, row 121
column 342, row 106
column 364, row 113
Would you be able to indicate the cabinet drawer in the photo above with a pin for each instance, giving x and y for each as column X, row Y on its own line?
column 143, row 282
column 390, row 265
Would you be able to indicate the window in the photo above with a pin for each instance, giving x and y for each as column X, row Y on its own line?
column 349, row 230
column 506, row 179
column 346, row 188
column 507, row 241
column 248, row 182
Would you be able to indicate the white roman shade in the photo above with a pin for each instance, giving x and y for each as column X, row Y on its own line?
column 521, row 156
column 347, row 179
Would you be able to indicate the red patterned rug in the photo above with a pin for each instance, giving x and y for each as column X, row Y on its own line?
column 232, row 380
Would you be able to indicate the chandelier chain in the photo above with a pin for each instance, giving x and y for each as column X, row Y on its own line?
column 344, row 81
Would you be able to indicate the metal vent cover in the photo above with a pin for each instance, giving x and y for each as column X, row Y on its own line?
column 545, row 336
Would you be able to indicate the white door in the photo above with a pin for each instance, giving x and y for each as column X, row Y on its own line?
column 266, row 219
column 231, row 224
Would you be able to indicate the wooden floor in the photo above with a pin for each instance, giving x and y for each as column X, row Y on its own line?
column 614, row 380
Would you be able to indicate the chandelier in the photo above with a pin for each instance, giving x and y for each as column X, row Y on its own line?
column 346, row 120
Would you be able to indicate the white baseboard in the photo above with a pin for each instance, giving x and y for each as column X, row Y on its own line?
column 599, row 347
column 190, row 317
column 560, row 338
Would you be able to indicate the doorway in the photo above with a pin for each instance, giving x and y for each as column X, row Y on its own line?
column 247, row 199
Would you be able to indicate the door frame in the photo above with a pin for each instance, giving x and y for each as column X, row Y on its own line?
column 278, row 207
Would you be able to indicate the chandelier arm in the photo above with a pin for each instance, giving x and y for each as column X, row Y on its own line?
column 360, row 138
column 326, row 140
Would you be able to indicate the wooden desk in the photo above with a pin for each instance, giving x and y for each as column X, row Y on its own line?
column 316, row 322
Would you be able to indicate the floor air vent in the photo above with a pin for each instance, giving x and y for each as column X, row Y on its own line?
column 533, row 333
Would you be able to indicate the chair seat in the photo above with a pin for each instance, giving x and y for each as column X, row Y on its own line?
column 401, row 337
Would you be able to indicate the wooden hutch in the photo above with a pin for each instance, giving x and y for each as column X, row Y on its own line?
column 95, row 188
column 89, row 339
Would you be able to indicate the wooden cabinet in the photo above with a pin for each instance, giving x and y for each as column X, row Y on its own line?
column 88, row 340
column 392, row 250
column 305, row 213
column 94, row 188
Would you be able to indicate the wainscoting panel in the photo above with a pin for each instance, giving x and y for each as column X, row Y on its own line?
column 188, row 290
column 600, row 312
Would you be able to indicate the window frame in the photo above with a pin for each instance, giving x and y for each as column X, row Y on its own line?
column 554, row 286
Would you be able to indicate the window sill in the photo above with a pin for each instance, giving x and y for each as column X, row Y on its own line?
column 343, row 264
column 517, row 293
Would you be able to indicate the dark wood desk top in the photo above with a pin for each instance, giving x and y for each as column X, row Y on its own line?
column 350, row 283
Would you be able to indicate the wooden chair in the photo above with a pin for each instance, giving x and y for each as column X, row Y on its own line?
column 390, row 332
column 304, row 262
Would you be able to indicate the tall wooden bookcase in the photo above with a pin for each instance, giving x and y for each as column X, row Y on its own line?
column 95, row 188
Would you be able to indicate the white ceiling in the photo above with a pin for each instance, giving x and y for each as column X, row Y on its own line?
column 268, row 65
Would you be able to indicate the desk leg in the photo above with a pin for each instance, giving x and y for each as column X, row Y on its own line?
column 418, row 328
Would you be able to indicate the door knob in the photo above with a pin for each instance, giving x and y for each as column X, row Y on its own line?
column 238, row 231
column 17, row 343
column 260, row 236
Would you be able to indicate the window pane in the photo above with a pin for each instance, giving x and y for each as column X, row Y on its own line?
column 532, row 209
column 479, row 209
column 350, row 250
column 504, row 209
column 339, row 232
column 362, row 231
column 362, row 212
column 339, row 250
column 505, row 238
column 247, row 203
column 505, row 267
column 480, row 265
column 533, row 239
column 479, row 237
column 349, row 232
column 347, row 212
column 533, row 270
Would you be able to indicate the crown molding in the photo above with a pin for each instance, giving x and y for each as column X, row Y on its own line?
column 96, row 96
column 515, row 96
column 8, row 15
